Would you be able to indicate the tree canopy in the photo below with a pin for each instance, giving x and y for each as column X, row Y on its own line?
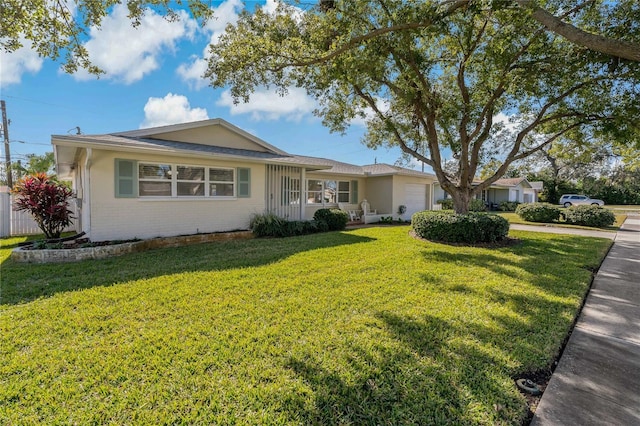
column 434, row 78
column 439, row 78
column 59, row 27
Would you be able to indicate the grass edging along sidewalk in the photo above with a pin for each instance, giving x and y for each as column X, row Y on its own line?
column 364, row 326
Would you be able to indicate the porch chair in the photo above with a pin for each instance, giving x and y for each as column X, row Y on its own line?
column 354, row 215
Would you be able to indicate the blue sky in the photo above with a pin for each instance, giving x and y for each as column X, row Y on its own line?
column 153, row 78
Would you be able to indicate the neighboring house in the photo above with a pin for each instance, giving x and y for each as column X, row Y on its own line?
column 513, row 189
column 211, row 176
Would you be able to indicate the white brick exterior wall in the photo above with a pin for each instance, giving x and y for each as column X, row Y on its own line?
column 125, row 218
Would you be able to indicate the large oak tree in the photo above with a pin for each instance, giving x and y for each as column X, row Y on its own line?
column 428, row 76
column 431, row 77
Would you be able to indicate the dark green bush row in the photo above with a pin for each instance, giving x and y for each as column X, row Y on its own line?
column 470, row 228
column 508, row 206
column 594, row 216
column 538, row 212
column 475, row 205
column 271, row 225
column 447, row 204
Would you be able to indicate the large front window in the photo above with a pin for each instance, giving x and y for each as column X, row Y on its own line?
column 325, row 191
column 168, row 180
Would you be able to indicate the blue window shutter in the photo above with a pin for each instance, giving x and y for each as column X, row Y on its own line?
column 354, row 192
column 244, row 182
column 126, row 179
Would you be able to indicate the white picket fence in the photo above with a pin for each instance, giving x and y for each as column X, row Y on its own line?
column 21, row 223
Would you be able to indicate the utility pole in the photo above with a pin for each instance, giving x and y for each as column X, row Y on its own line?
column 7, row 151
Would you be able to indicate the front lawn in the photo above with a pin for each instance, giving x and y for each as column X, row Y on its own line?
column 368, row 326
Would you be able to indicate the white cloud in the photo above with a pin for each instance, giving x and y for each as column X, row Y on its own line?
column 172, row 109
column 127, row 53
column 223, row 15
column 268, row 105
column 508, row 123
column 13, row 65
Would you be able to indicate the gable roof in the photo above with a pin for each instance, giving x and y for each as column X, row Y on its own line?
column 160, row 131
column 512, row 182
column 175, row 139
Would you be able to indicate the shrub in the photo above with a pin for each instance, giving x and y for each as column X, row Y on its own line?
column 386, row 220
column 508, row 206
column 470, row 228
column 268, row 225
column 477, row 205
column 594, row 216
column 47, row 201
column 271, row 225
column 538, row 212
column 336, row 219
column 447, row 204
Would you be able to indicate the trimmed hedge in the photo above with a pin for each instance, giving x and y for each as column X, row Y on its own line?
column 538, row 212
column 470, row 228
column 594, row 216
column 336, row 219
column 271, row 225
column 508, row 206
column 475, row 205
column 447, row 204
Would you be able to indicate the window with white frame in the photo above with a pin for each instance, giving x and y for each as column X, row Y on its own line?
column 344, row 191
column 221, row 182
column 154, row 180
column 191, row 181
column 322, row 191
column 171, row 180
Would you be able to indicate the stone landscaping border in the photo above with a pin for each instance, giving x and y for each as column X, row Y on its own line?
column 20, row 255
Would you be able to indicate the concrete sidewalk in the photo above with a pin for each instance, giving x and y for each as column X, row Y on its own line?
column 597, row 381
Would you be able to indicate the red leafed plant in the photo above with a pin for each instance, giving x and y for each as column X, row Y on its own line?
column 46, row 200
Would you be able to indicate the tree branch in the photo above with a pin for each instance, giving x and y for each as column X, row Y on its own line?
column 614, row 47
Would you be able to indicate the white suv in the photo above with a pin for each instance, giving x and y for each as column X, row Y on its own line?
column 574, row 199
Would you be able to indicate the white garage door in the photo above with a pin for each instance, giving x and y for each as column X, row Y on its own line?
column 415, row 198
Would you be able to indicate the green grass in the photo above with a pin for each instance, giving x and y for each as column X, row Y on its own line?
column 514, row 218
column 624, row 209
column 368, row 326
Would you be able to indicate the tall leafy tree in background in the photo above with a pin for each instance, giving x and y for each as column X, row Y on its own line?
column 427, row 75
column 431, row 77
column 35, row 163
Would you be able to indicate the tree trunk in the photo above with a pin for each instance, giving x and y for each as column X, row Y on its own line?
column 461, row 198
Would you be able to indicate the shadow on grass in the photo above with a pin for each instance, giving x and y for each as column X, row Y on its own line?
column 426, row 377
column 546, row 261
column 21, row 283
